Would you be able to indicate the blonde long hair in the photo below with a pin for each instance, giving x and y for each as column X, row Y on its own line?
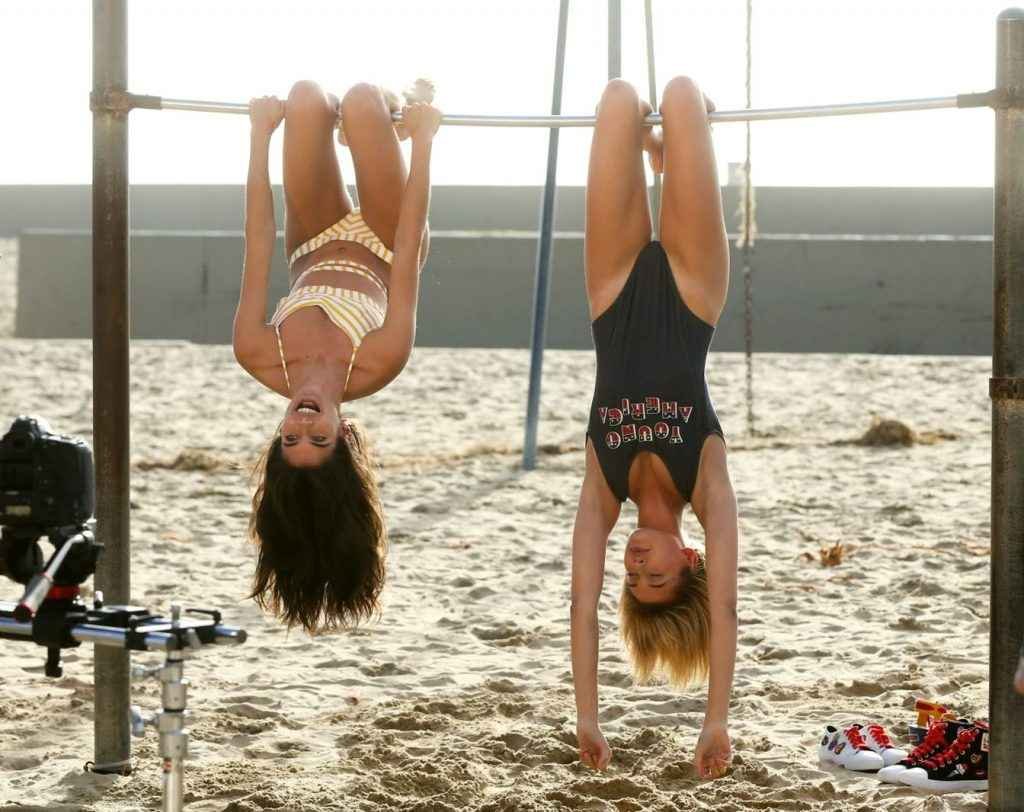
column 670, row 640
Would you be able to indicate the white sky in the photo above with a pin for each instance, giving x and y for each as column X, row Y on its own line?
column 496, row 56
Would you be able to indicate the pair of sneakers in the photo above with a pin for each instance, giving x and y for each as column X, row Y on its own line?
column 953, row 757
column 864, row 748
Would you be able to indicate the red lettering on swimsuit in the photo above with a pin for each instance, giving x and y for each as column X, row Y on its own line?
column 646, row 434
column 629, row 432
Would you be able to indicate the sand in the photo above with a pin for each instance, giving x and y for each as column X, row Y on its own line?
column 460, row 697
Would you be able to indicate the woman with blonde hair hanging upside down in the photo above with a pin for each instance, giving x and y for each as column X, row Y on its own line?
column 344, row 331
column 653, row 436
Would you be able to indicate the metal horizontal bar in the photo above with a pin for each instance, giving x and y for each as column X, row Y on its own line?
column 528, row 234
column 117, row 638
column 8, row 625
column 718, row 117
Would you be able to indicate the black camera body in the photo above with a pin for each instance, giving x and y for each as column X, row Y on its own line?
column 47, row 488
column 46, row 479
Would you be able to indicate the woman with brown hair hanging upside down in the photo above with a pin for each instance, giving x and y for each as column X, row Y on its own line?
column 344, row 331
column 653, row 436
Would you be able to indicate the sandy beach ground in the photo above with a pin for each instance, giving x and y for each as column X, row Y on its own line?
column 460, row 697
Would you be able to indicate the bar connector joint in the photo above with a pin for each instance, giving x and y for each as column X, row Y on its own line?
column 121, row 102
column 1006, row 388
column 998, row 99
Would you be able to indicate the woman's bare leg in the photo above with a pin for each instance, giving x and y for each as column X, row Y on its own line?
column 692, row 224
column 380, row 166
column 314, row 192
column 618, row 218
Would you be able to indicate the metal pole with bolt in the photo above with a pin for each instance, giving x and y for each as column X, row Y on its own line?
column 1006, row 707
column 110, row 334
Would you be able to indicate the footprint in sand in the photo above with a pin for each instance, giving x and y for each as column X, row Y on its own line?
column 250, row 711
column 504, row 634
column 504, row 686
column 411, row 721
column 613, row 789
column 384, row 670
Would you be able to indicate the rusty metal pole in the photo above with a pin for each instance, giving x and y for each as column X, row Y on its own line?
column 110, row 334
column 1006, row 708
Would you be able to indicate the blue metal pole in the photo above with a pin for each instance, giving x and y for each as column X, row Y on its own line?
column 542, row 283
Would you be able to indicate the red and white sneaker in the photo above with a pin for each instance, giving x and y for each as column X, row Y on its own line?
column 940, row 735
column 848, row 749
column 878, row 740
column 961, row 767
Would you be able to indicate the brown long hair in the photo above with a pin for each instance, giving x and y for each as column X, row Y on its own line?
column 670, row 639
column 320, row 537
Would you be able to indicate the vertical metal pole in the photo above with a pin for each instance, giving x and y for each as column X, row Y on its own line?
column 652, row 90
column 542, row 283
column 748, row 233
column 110, row 331
column 614, row 39
column 1006, row 708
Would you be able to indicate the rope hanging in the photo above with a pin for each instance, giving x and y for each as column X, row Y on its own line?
column 745, row 242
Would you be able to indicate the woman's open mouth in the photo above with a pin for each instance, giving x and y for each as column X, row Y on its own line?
column 307, row 407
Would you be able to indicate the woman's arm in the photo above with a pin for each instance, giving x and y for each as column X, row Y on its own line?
column 721, row 543
column 250, row 330
column 421, row 120
column 595, row 518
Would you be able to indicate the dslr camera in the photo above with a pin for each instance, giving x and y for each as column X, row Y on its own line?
column 47, row 488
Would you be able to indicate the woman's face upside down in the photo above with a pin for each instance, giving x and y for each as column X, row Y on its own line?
column 654, row 562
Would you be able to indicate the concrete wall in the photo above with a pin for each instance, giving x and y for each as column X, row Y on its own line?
column 780, row 210
column 827, row 295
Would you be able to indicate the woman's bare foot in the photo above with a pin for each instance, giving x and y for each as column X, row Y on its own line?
column 653, row 144
column 394, row 105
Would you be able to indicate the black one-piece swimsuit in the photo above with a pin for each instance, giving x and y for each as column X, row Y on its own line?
column 651, row 392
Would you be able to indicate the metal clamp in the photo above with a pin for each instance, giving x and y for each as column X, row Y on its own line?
column 121, row 102
column 1006, row 388
column 998, row 99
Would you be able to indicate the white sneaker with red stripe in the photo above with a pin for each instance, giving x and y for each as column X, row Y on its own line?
column 878, row 740
column 848, row 749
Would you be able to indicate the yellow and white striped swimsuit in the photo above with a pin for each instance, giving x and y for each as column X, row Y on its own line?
column 351, row 311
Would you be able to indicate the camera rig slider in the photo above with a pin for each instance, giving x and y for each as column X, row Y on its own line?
column 128, row 627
